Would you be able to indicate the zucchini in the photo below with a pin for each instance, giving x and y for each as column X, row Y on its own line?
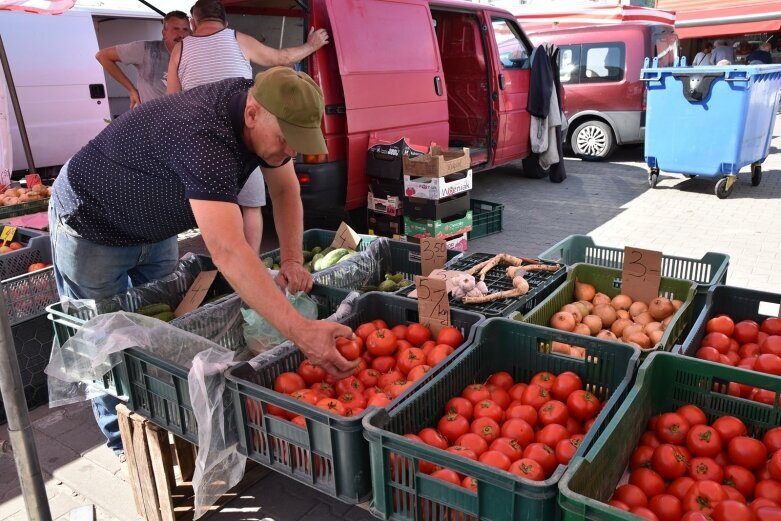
column 151, row 310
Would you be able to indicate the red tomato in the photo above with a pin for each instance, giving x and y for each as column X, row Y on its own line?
column 544, row 455
column 729, row 510
column 747, row 452
column 528, row 468
column 672, row 428
column 473, row 442
column 451, row 336
column 702, row 469
column 332, row 405
column 460, row 405
column 501, row 379
column 650, row 439
column 771, row 326
column 708, row 353
column 388, row 378
column 565, row 449
column 648, row 481
column 729, row 427
column 428, row 346
column 500, row 396
column 417, row 334
column 487, row 428
column 695, row 516
column 746, row 331
column 350, row 349
column 631, row 496
column 397, row 388
column 666, row 507
column 323, row 390
column 476, row 393
column 353, row 401
column 433, row 437
column 749, row 350
column 381, row 342
column 438, row 354
column 644, row 512
column 383, row 364
column 369, row 377
column 488, row 409
column 762, row 473
column 774, row 465
column 641, row 458
column 768, row 514
column 768, row 488
column 364, row 330
column 763, row 396
column 306, row 396
column 378, row 400
column 693, row 414
column 509, row 447
column 310, row 372
column 574, row 427
column 535, row 396
column 288, row 382
column 544, row 379
column 739, row 478
column 496, row 459
column 554, row 412
column 733, row 494
column 447, row 475
column 452, row 426
column 516, row 391
column 400, row 331
column 720, row 324
column 703, row 496
column 552, row 434
column 469, row 483
column 703, row 441
column 680, row 486
column 518, row 430
column 523, row 412
column 462, row 451
column 669, row 461
column 772, row 439
column 351, row 384
column 409, row 359
column 733, row 358
column 418, row 372
column 719, row 341
column 380, row 324
column 300, row 421
column 619, row 505
column 769, row 364
column 402, row 345
column 771, row 345
column 762, row 502
column 583, row 405
column 565, row 384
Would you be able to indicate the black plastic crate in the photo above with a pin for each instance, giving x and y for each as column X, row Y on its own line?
column 384, row 160
column 486, row 218
column 385, row 225
column 439, row 209
column 541, row 284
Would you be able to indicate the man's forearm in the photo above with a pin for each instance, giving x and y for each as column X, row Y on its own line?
column 289, row 223
column 115, row 72
column 293, row 55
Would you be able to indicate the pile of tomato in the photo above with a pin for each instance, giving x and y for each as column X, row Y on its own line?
column 527, row 429
column 390, row 361
column 686, row 469
column 747, row 345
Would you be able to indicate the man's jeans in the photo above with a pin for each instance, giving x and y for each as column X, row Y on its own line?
column 87, row 270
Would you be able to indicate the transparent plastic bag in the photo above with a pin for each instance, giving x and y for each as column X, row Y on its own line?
column 362, row 269
column 260, row 335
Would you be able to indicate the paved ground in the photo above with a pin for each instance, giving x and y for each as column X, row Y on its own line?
column 610, row 201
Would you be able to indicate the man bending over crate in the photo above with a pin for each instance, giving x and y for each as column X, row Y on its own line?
column 178, row 162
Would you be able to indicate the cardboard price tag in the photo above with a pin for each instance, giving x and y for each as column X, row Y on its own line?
column 346, row 238
column 196, row 293
column 433, row 255
column 32, row 180
column 447, row 275
column 642, row 274
column 433, row 305
column 7, row 234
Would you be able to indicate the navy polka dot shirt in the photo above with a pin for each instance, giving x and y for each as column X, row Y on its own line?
column 132, row 184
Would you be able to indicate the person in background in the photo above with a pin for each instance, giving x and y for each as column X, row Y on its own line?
column 722, row 50
column 761, row 55
column 704, row 56
column 212, row 53
column 149, row 57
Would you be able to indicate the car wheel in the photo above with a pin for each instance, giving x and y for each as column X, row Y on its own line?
column 593, row 141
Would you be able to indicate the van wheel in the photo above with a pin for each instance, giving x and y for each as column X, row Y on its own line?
column 593, row 141
column 532, row 168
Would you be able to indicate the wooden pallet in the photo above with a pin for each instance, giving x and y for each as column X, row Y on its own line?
column 160, row 468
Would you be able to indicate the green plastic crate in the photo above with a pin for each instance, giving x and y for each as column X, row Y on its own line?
column 711, row 269
column 486, row 219
column 331, row 454
column 608, row 281
column 501, row 344
column 738, row 303
column 15, row 210
column 664, row 382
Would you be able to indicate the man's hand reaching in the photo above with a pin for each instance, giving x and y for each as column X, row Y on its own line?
column 293, row 277
column 317, row 340
column 317, row 38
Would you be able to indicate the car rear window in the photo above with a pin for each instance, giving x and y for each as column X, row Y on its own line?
column 602, row 62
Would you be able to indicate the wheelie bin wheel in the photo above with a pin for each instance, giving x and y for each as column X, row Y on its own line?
column 756, row 174
column 691, row 176
column 724, row 187
column 653, row 177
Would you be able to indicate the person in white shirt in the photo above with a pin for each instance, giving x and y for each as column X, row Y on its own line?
column 704, row 56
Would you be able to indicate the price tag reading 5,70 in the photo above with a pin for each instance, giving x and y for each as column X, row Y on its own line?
column 433, row 305
column 642, row 274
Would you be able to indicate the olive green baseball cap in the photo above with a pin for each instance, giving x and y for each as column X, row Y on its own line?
column 297, row 102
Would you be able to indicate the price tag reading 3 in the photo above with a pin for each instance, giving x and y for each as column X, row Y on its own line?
column 433, row 305
column 433, row 255
column 346, row 238
column 642, row 274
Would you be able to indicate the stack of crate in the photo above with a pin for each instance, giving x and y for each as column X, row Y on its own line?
column 437, row 204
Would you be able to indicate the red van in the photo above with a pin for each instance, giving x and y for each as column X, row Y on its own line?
column 600, row 71
column 429, row 71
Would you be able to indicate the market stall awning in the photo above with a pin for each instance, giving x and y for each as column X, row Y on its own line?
column 534, row 19
column 712, row 18
column 37, row 6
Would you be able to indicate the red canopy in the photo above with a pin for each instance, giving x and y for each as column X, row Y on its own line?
column 725, row 17
column 37, row 6
column 535, row 19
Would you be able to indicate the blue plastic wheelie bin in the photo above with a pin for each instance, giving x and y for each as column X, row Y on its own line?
column 710, row 121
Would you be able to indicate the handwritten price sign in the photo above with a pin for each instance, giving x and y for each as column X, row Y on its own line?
column 433, row 255
column 346, row 238
column 32, row 180
column 642, row 274
column 433, row 305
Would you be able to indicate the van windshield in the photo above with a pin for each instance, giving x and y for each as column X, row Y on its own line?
column 666, row 48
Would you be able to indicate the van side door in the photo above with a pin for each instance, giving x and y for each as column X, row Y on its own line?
column 512, row 74
column 392, row 77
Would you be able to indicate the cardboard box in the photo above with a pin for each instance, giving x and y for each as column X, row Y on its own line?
column 437, row 163
column 456, row 242
column 384, row 188
column 391, row 205
column 437, row 187
column 439, row 209
column 384, row 160
column 384, row 225
column 440, row 228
